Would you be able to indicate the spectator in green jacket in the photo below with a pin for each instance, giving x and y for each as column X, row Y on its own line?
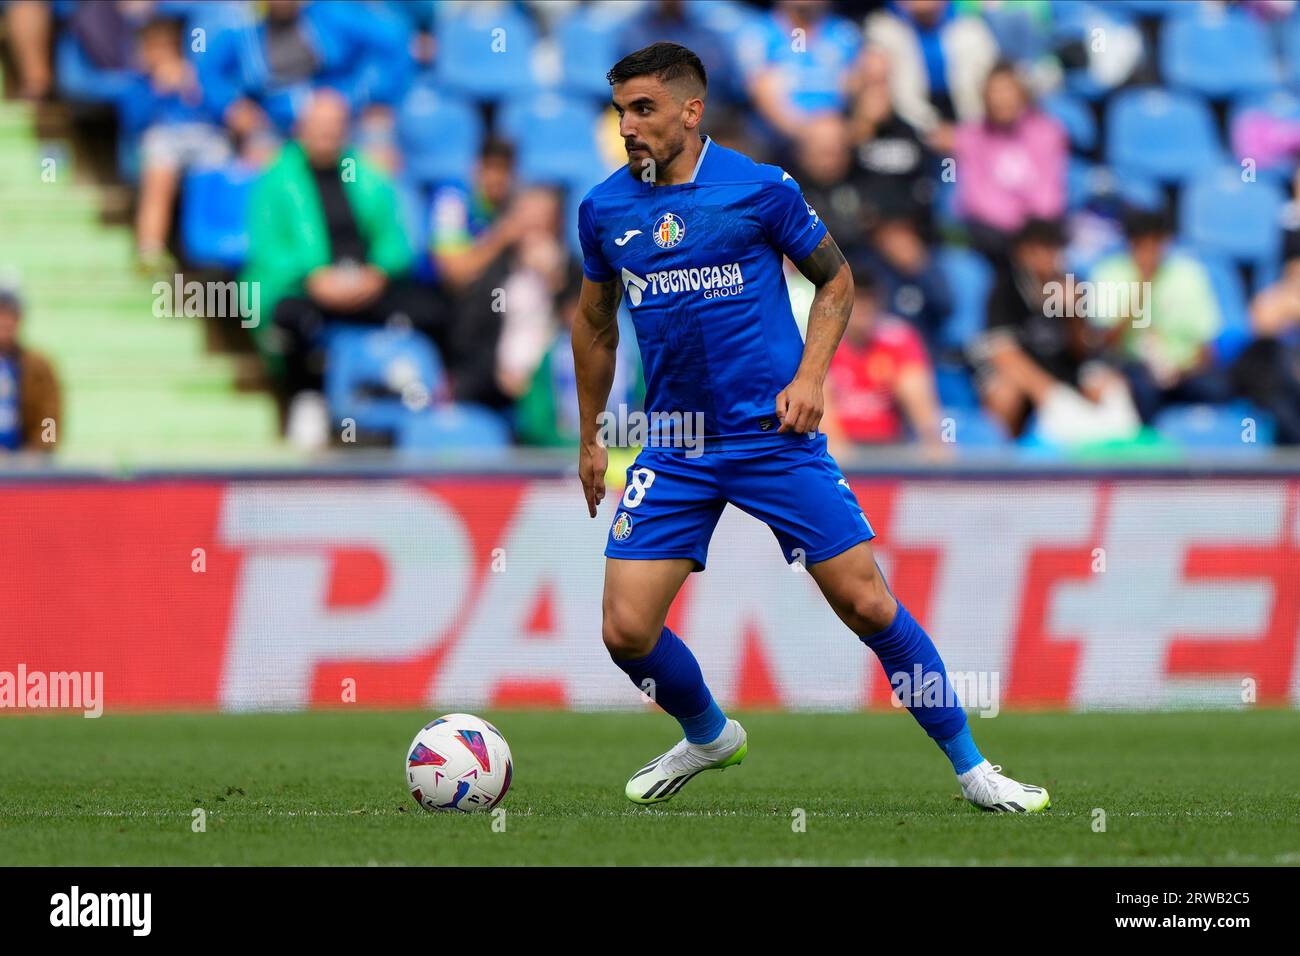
column 327, row 246
column 1159, row 316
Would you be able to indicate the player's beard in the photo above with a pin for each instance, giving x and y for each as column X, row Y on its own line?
column 636, row 166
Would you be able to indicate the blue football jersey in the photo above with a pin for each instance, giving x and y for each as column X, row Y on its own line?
column 701, row 268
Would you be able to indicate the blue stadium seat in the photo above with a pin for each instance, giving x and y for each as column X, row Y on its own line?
column 486, row 50
column 439, row 135
column 368, row 370
column 1217, row 427
column 214, row 216
column 1163, row 134
column 1075, row 115
column 1231, row 293
column 589, row 44
column 974, row 429
column 461, row 426
column 970, row 278
column 1217, row 52
column 955, row 387
column 1221, row 215
column 1090, row 184
column 554, row 135
column 1290, row 28
column 1143, row 8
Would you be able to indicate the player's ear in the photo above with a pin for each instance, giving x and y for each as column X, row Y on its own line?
column 692, row 112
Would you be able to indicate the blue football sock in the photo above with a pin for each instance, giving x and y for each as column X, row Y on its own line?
column 917, row 673
column 678, row 687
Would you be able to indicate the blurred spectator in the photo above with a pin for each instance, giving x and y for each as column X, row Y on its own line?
column 469, row 229
column 1160, row 313
column 798, row 61
column 106, row 32
column 1268, row 371
column 880, row 387
column 912, row 284
column 164, row 103
column 822, row 166
column 536, row 277
column 263, row 68
column 1010, row 164
column 1035, row 353
column 679, row 22
column 28, row 25
column 894, row 168
column 938, row 61
column 547, row 413
column 29, row 390
column 327, row 246
column 504, row 319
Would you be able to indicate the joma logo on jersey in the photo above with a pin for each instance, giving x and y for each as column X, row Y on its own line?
column 713, row 281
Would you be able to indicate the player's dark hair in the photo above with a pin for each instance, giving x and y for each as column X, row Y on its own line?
column 665, row 61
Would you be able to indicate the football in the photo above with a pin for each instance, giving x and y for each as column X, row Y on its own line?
column 458, row 762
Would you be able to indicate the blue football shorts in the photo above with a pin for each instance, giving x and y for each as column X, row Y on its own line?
column 671, row 502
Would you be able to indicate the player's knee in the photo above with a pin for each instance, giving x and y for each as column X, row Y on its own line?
column 873, row 611
column 625, row 633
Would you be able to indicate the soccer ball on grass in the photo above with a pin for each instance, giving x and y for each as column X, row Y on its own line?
column 458, row 762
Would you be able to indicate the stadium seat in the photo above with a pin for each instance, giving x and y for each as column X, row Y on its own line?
column 588, row 40
column 439, row 135
column 555, row 136
column 1217, row 52
column 1217, row 427
column 1290, row 28
column 460, row 426
column 970, row 278
column 1075, row 115
column 1143, row 8
column 973, row 429
column 1088, row 184
column 954, row 386
column 214, row 216
column 381, row 377
column 1159, row 133
column 1221, row 215
column 1231, row 294
column 486, row 50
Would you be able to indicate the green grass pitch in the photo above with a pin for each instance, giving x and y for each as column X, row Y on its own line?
column 328, row 788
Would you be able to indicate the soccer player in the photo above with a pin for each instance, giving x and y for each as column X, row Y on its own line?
column 694, row 234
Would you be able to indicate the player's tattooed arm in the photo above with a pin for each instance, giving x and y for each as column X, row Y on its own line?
column 800, row 404
column 595, row 342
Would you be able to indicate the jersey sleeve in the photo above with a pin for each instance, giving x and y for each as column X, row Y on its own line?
column 792, row 225
column 594, row 265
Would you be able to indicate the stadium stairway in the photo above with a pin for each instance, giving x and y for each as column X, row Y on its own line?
column 138, row 389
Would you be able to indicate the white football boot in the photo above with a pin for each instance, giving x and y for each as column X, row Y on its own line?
column 663, row 778
column 989, row 789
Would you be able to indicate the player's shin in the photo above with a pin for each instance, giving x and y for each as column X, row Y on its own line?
column 671, row 677
column 918, row 676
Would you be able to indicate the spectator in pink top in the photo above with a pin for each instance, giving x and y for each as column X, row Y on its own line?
column 1010, row 164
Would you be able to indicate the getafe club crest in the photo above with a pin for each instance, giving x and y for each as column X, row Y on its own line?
column 669, row 231
column 622, row 526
